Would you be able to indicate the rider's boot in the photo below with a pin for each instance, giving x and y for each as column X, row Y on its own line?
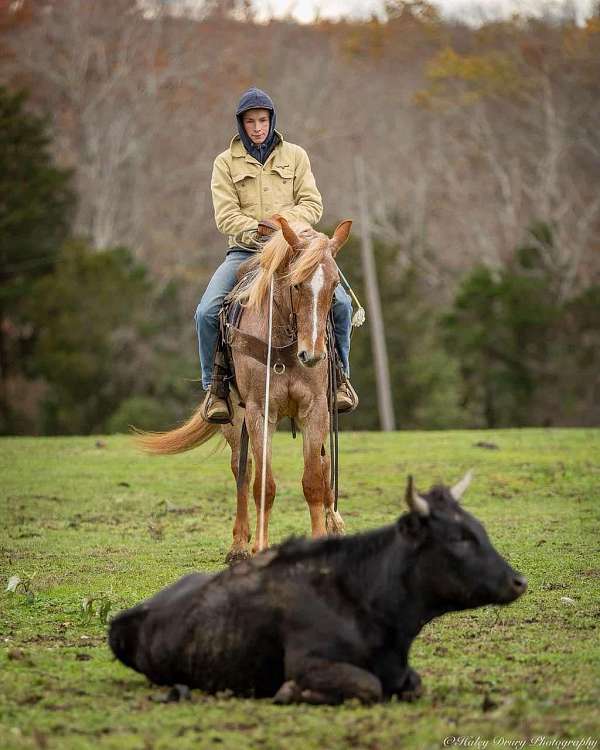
column 346, row 397
column 216, row 407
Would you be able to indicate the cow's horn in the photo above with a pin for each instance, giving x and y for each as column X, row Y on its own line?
column 459, row 488
column 414, row 500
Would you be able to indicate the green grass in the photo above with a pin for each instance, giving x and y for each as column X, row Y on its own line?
column 94, row 521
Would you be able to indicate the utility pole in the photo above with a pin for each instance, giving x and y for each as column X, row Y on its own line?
column 385, row 403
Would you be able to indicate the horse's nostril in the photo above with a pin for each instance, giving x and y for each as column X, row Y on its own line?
column 520, row 583
column 303, row 356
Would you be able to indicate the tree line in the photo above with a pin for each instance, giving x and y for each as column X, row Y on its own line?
column 482, row 160
column 85, row 334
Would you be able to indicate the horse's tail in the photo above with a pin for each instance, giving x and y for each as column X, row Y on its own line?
column 196, row 431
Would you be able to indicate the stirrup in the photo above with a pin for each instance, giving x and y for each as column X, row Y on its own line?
column 346, row 397
column 216, row 410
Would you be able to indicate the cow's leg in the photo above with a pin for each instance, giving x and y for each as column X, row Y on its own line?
column 409, row 689
column 313, row 680
column 241, row 526
column 255, row 424
column 334, row 523
column 315, row 484
column 397, row 678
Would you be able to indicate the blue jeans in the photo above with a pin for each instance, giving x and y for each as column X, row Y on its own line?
column 222, row 282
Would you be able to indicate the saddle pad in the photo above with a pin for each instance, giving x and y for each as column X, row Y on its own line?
column 232, row 309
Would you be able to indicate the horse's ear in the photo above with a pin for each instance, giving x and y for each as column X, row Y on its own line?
column 340, row 235
column 290, row 236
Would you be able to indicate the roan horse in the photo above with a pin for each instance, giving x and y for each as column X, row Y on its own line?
column 300, row 261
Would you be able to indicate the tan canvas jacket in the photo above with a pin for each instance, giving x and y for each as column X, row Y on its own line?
column 244, row 191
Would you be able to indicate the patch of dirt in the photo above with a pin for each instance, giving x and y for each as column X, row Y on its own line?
column 591, row 573
column 64, row 641
column 15, row 654
column 29, row 700
column 166, row 506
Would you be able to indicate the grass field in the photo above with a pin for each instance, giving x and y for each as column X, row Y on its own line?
column 91, row 519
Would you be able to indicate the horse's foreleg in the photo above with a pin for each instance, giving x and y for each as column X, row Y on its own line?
column 255, row 423
column 315, row 480
column 241, row 527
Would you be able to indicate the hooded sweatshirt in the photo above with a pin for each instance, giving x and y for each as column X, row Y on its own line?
column 256, row 99
column 245, row 189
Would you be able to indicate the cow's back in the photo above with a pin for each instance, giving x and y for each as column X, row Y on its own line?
column 209, row 632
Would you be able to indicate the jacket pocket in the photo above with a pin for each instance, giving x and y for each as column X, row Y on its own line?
column 245, row 185
column 281, row 182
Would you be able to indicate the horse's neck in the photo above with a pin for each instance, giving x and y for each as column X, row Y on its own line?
column 256, row 322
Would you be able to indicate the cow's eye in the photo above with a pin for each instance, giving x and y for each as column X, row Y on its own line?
column 462, row 536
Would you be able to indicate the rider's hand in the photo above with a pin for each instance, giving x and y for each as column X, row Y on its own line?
column 267, row 227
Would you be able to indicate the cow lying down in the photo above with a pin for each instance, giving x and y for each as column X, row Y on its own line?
column 324, row 620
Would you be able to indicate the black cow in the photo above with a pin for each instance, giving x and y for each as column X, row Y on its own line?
column 324, row 620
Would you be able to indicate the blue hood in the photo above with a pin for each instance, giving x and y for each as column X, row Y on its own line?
column 256, row 99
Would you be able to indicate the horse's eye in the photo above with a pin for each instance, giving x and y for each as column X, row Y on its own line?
column 297, row 287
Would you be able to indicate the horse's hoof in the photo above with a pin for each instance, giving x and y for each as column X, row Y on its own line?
column 235, row 556
column 334, row 523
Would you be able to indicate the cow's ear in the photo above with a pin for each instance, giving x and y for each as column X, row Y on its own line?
column 460, row 487
column 411, row 525
column 415, row 502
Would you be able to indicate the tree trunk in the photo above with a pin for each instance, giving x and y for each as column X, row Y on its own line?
column 382, row 374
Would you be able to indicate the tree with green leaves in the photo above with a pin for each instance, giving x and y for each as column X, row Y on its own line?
column 102, row 329
column 527, row 355
column 424, row 377
column 35, row 208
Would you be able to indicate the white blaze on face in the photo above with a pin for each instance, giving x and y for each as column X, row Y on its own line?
column 316, row 284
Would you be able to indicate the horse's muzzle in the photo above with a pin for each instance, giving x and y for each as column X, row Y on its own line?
column 308, row 360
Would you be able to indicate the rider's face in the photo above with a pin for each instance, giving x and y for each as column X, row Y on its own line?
column 256, row 125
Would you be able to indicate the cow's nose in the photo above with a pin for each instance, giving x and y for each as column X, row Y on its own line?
column 519, row 584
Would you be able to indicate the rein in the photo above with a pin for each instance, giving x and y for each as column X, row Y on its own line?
column 333, row 412
column 263, row 477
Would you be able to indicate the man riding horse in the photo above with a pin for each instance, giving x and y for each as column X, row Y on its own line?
column 257, row 178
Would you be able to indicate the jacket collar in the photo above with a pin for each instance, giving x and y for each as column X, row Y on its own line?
column 238, row 151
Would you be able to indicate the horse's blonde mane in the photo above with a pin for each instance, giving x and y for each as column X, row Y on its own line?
column 277, row 256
